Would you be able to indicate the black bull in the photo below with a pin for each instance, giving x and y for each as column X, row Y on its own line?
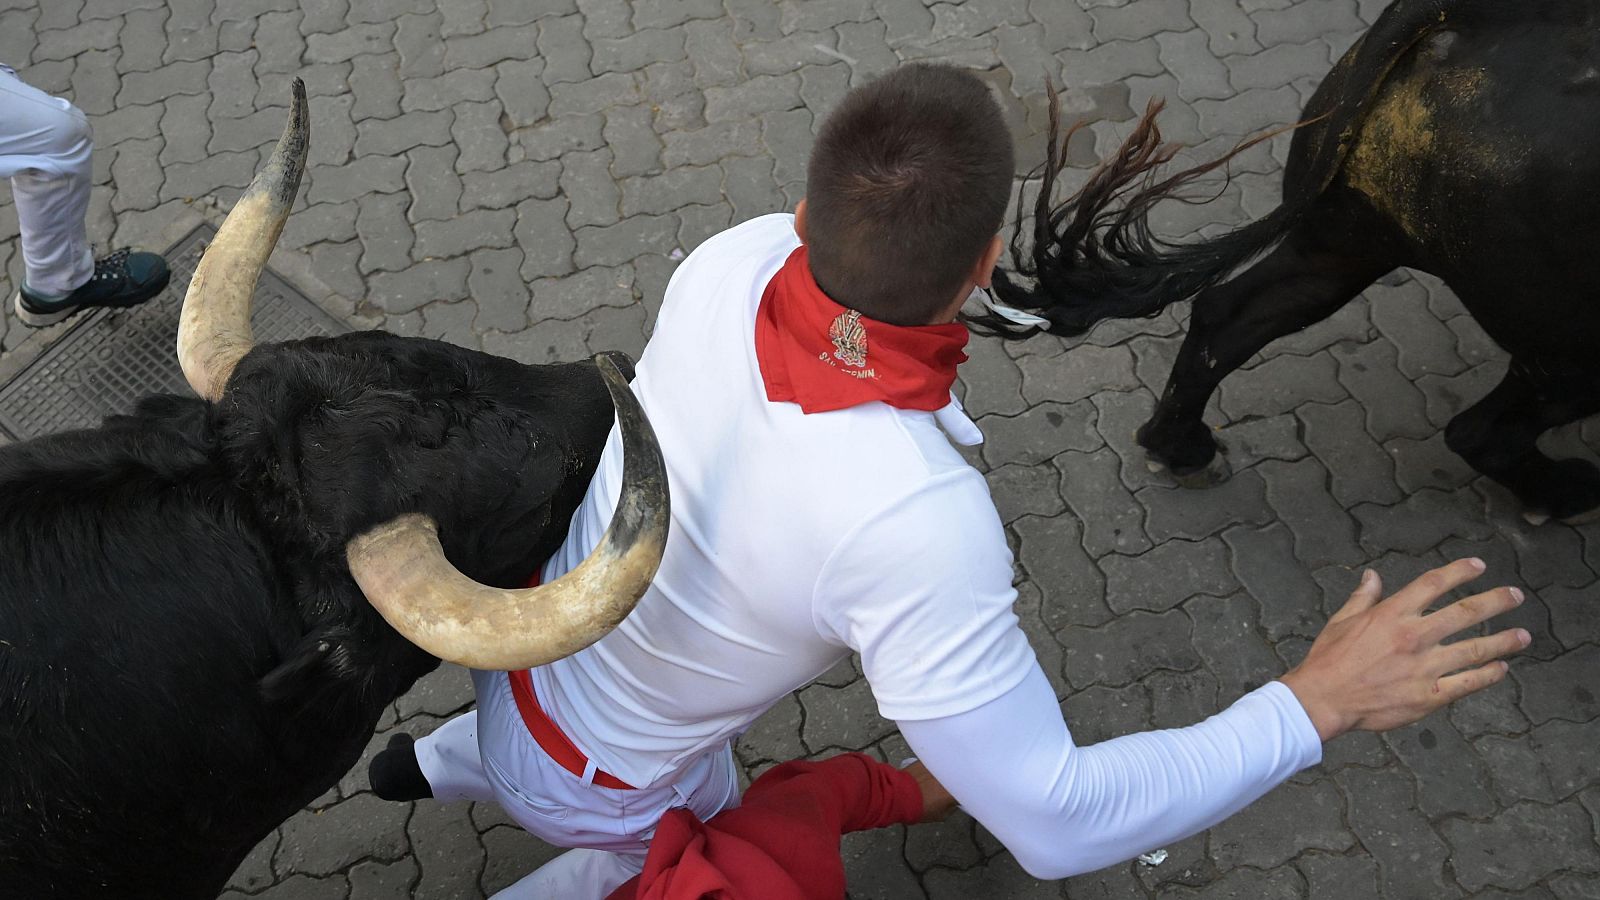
column 1457, row 137
column 185, row 656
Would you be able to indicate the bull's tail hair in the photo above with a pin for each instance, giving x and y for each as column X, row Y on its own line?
column 1093, row 255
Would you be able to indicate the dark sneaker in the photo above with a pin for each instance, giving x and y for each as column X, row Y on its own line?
column 394, row 773
column 124, row 278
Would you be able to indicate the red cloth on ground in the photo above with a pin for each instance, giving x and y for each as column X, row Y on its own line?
column 823, row 356
column 782, row 843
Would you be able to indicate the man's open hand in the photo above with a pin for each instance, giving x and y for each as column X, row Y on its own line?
column 1381, row 664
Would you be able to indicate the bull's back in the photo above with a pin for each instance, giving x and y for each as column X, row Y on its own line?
column 136, row 610
column 1476, row 147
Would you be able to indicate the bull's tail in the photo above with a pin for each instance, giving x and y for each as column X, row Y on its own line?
column 1093, row 255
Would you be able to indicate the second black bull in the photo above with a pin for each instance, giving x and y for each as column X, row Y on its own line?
column 1457, row 137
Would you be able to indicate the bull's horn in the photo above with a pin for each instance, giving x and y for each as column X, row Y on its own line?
column 214, row 331
column 402, row 570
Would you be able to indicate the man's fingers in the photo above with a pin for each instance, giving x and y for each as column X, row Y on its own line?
column 1430, row 586
column 1477, row 651
column 1452, row 688
column 1470, row 611
column 1364, row 597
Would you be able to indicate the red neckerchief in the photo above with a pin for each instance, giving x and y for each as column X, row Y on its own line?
column 816, row 353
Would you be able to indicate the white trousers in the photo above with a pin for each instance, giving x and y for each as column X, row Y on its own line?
column 45, row 149
column 488, row 755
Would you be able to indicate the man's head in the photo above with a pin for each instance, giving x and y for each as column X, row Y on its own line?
column 906, row 189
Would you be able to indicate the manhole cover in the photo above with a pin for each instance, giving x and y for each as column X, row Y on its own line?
column 111, row 358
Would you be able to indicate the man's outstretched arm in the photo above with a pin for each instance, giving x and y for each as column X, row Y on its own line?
column 1063, row 809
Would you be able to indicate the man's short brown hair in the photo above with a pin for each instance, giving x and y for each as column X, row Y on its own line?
column 907, row 184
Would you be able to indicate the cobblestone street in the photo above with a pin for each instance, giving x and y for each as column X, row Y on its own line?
column 521, row 176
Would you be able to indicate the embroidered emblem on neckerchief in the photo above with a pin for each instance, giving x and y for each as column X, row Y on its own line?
column 815, row 352
column 849, row 338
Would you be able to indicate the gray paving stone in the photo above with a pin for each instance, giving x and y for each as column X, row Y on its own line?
column 746, row 99
column 1111, row 518
column 362, row 827
column 1564, row 688
column 1128, row 648
column 1360, row 470
column 542, row 234
column 65, row 43
column 1303, row 22
column 420, row 45
column 1052, row 555
column 1281, row 825
column 999, row 876
column 1040, row 433
column 1193, row 514
column 200, row 179
column 496, row 285
column 463, row 17
column 637, row 50
column 1324, row 533
column 1380, row 811
column 845, row 718
column 431, row 181
column 423, row 283
column 1394, row 407
column 594, row 95
column 787, row 134
column 140, row 88
column 614, row 245
column 1164, row 577
column 1446, row 396
column 1279, row 385
column 354, row 179
column 1232, row 644
column 705, row 146
column 509, row 854
column 1451, row 780
column 672, row 13
column 1078, row 374
column 484, row 49
column 1422, row 521
column 1249, row 442
column 383, row 881
column 1550, row 839
column 255, row 873
column 574, row 295
column 446, row 849
column 300, row 887
column 1266, row 566
column 710, row 46
column 658, row 194
column 1021, row 490
column 464, row 233
column 866, row 46
column 392, row 137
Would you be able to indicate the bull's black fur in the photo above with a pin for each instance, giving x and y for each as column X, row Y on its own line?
column 184, row 658
column 1456, row 138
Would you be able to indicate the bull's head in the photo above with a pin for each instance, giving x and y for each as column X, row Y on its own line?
column 400, row 565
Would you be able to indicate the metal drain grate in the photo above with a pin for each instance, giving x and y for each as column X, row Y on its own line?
column 112, row 358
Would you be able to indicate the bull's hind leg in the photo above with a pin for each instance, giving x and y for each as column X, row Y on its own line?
column 1497, row 437
column 1296, row 285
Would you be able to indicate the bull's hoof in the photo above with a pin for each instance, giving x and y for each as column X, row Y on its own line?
column 1209, row 475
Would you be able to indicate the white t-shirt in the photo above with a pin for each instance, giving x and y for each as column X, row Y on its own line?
column 795, row 539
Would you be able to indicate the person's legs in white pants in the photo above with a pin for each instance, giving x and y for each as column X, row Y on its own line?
column 46, row 148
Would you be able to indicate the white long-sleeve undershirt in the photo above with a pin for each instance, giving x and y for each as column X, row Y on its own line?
column 1063, row 810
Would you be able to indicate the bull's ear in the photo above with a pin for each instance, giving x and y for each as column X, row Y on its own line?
column 319, row 661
